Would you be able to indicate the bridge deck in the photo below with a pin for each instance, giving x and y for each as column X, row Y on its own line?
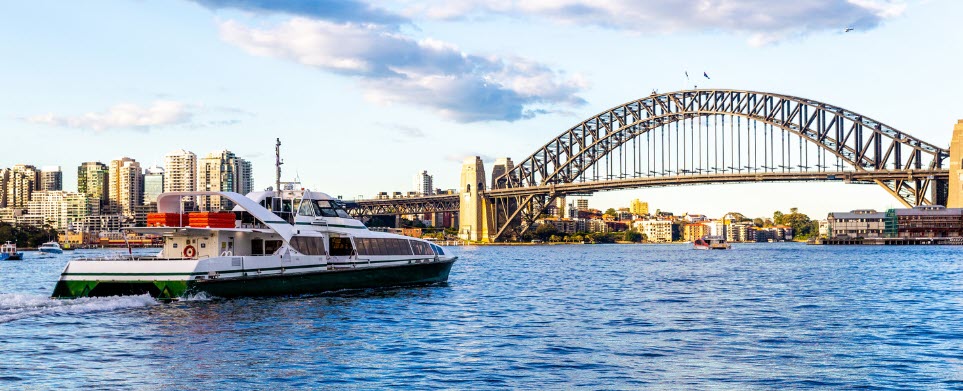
column 450, row 202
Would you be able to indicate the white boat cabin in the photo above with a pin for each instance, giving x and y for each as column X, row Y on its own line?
column 298, row 224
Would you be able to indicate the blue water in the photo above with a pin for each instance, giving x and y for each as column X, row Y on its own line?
column 759, row 316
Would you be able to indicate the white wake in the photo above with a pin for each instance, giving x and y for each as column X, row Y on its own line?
column 15, row 306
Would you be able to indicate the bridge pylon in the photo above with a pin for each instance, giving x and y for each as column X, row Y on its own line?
column 474, row 217
column 955, row 196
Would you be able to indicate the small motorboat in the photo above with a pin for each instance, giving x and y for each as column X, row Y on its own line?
column 8, row 252
column 50, row 248
column 711, row 243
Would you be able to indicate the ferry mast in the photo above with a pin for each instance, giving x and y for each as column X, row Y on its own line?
column 277, row 165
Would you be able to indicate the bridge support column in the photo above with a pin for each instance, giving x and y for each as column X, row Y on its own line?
column 475, row 211
column 955, row 196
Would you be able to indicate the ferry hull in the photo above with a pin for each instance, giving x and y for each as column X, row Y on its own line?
column 269, row 285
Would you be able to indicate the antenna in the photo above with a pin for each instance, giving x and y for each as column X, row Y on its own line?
column 278, row 163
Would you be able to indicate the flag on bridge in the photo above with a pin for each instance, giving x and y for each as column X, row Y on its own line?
column 706, row 75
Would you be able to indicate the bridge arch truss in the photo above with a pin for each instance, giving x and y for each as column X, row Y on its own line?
column 705, row 136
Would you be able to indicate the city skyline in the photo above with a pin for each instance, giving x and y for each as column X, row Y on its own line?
column 239, row 94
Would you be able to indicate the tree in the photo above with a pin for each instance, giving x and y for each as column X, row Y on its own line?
column 777, row 218
column 26, row 235
column 632, row 236
column 381, row 221
column 545, row 231
column 803, row 227
column 600, row 237
column 758, row 222
column 610, row 211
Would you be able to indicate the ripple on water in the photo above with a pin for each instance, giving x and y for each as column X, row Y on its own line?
column 619, row 317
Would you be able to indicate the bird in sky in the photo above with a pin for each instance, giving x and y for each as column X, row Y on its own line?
column 848, row 29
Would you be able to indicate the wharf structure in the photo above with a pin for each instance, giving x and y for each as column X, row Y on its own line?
column 929, row 224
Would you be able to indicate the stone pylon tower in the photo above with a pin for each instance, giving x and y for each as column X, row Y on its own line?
column 474, row 215
column 955, row 196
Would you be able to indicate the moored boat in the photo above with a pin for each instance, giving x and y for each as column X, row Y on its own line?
column 711, row 243
column 8, row 252
column 50, row 248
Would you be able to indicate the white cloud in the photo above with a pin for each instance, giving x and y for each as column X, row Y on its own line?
column 764, row 21
column 394, row 68
column 122, row 116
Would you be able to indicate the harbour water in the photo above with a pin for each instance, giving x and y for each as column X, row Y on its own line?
column 533, row 317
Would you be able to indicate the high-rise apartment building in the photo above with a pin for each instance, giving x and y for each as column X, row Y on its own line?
column 180, row 173
column 125, row 186
column 153, row 184
column 4, row 182
column 639, row 208
column 92, row 180
column 581, row 204
column 424, row 183
column 60, row 208
column 222, row 171
column 51, row 178
column 24, row 180
column 245, row 176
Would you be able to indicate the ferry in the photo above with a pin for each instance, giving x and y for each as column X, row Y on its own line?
column 274, row 243
column 8, row 252
column 711, row 243
column 50, row 248
column 287, row 241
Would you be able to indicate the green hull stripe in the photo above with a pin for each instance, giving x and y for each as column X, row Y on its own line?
column 135, row 274
column 239, row 270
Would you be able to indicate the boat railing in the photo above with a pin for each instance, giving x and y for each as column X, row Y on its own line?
column 132, row 258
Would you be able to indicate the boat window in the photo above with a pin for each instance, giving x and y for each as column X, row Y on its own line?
column 308, row 245
column 246, row 218
column 395, row 246
column 421, row 248
column 271, row 246
column 362, row 246
column 308, row 208
column 340, row 210
column 405, row 248
column 340, row 246
column 438, row 249
column 392, row 246
column 257, row 246
column 326, row 209
column 380, row 246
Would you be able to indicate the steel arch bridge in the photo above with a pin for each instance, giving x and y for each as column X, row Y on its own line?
column 716, row 136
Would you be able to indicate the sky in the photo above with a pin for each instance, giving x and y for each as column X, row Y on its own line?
column 364, row 95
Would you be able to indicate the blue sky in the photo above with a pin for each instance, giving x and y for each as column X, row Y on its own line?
column 364, row 95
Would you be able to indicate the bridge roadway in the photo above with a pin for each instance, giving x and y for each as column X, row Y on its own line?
column 450, row 202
